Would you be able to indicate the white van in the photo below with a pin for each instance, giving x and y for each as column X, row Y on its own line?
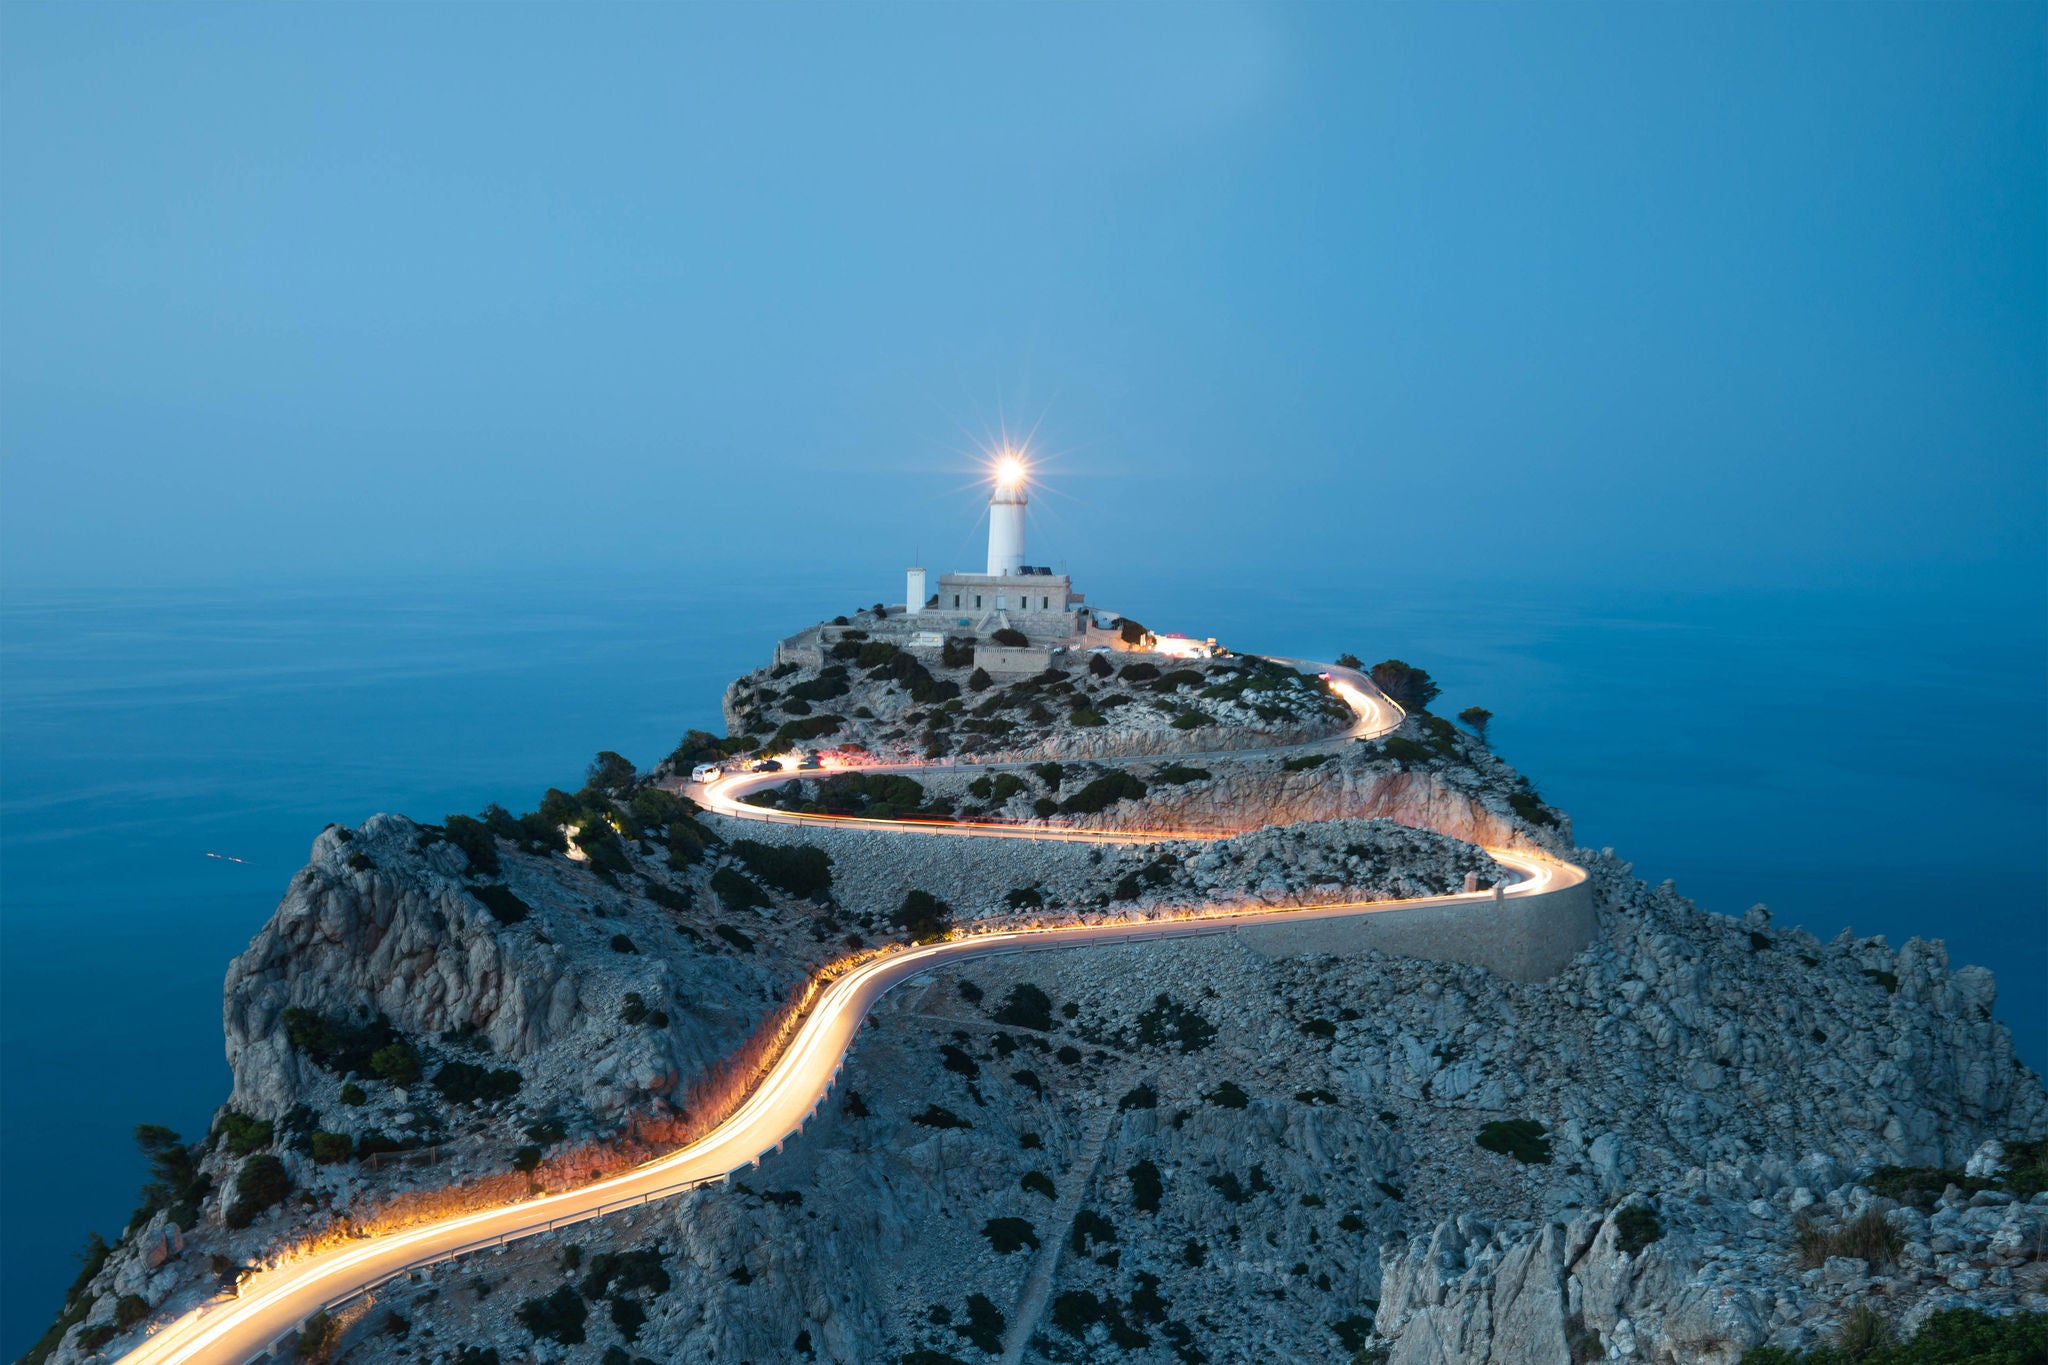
column 706, row 772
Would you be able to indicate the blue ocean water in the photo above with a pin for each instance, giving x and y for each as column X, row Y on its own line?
column 1852, row 759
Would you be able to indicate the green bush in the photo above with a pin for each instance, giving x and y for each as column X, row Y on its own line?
column 626, row 1272
column 1953, row 1336
column 1026, row 1006
column 1305, row 763
column 1038, row 1182
column 1521, row 1139
column 353, row 1095
column 1530, row 807
column 398, row 1063
column 1104, row 792
column 1406, row 752
column 1140, row 1096
column 558, row 1316
column 1025, row 898
column 468, row 1083
column 260, row 1184
column 244, row 1134
column 1168, row 1022
column 1180, row 775
column 1228, row 1095
column 1139, row 672
column 475, row 840
column 339, row 1046
column 923, row 916
column 1009, row 639
column 735, row 892
column 734, row 937
column 329, row 1148
column 984, row 1325
column 505, row 907
column 622, row 944
column 1192, row 720
column 130, row 1309
column 938, row 1116
column 1636, row 1227
column 1010, row 1234
column 796, row 869
column 1476, row 717
column 1146, row 1187
column 1867, row 1237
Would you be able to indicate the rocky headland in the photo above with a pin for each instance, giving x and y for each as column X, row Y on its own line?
column 1702, row 1139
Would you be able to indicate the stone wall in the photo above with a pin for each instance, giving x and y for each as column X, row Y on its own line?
column 1526, row 938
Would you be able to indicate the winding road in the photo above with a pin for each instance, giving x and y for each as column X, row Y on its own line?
column 272, row 1304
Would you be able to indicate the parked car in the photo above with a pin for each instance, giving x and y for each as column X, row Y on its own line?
column 706, row 772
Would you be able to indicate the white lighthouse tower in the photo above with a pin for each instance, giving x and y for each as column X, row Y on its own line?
column 1006, row 519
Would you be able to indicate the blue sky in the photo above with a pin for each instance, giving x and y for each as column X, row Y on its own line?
column 1667, row 294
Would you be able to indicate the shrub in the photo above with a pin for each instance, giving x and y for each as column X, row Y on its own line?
column 559, row 1316
column 1086, row 718
column 1867, row 1237
column 1412, row 687
column 1146, row 1187
column 1168, row 1022
column 1139, row 1096
column 244, row 1134
column 1521, row 1139
column 796, row 869
column 1305, row 763
column 629, row 1316
column 475, row 840
column 1228, row 1095
column 1038, row 1182
column 623, row 944
column 979, row 680
column 734, row 937
column 1091, row 1227
column 1029, row 1080
column 318, row 1336
column 1025, row 898
column 505, row 907
column 1010, row 639
column 130, row 1309
column 1099, row 666
column 1636, row 1227
column 1192, row 720
column 1104, row 792
column 1229, row 1187
column 923, row 916
column 956, row 651
column 468, row 1083
column 1476, row 717
column 616, row 1272
column 1889, row 981
column 398, row 1063
column 937, row 1116
column 1407, row 752
column 1525, row 804
column 260, row 1184
column 735, row 892
column 340, row 1047
column 1138, row 673
column 353, row 1095
column 1010, row 1234
column 984, row 1325
column 329, row 1148
column 1179, row 775
column 1026, row 1006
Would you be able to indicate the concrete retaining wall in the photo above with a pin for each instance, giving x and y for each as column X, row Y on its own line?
column 1528, row 938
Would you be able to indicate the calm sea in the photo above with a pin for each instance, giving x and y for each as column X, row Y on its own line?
column 165, row 761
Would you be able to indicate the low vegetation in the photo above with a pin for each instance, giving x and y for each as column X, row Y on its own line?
column 1953, row 1336
column 1522, row 1139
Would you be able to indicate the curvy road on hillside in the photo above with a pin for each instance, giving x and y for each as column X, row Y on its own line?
column 273, row 1303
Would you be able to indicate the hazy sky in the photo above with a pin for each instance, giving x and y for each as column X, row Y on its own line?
column 1686, row 295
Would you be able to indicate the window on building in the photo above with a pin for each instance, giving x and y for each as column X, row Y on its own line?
column 956, row 599
column 977, row 601
column 1045, row 604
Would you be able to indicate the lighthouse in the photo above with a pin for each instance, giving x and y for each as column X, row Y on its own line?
column 1006, row 502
